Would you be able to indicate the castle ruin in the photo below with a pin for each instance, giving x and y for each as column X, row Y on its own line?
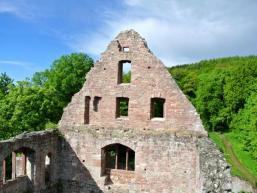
column 120, row 135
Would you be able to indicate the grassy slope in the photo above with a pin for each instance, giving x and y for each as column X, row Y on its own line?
column 241, row 162
column 242, row 155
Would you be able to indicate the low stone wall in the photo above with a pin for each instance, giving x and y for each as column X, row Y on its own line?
column 40, row 143
column 20, row 184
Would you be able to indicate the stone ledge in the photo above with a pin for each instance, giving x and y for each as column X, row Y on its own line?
column 132, row 132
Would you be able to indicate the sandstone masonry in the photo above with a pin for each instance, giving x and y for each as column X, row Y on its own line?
column 141, row 135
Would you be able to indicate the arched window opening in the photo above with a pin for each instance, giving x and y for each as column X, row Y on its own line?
column 48, row 162
column 117, row 156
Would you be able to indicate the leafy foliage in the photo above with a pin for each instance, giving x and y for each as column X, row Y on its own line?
column 224, row 92
column 5, row 82
column 245, row 125
column 123, row 107
column 126, row 78
column 38, row 104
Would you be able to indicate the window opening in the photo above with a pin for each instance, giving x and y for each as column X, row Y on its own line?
column 87, row 109
column 117, row 156
column 96, row 103
column 48, row 161
column 19, row 163
column 111, row 154
column 157, row 107
column 122, row 107
column 124, row 72
column 125, row 49
column 7, row 168
column 122, row 158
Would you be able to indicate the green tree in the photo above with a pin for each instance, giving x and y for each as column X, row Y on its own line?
column 38, row 104
column 245, row 125
column 225, row 96
column 5, row 81
column 66, row 75
column 26, row 108
column 210, row 100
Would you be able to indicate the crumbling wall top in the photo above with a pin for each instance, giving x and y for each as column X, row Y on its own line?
column 149, row 98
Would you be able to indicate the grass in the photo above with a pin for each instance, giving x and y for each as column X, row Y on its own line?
column 242, row 165
column 242, row 155
column 218, row 141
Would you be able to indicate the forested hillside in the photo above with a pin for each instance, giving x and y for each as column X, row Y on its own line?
column 224, row 92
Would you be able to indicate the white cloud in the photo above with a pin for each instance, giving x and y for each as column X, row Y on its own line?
column 178, row 31
column 182, row 31
column 21, row 64
column 25, row 9
column 5, row 7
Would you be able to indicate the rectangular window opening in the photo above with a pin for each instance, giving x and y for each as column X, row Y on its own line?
column 48, row 168
column 157, row 107
column 125, row 49
column 96, row 103
column 124, row 72
column 122, row 107
column 7, row 168
column 87, row 109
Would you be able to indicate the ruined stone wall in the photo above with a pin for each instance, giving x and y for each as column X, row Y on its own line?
column 40, row 143
column 170, row 157
column 149, row 79
column 172, row 154
column 164, row 162
column 214, row 170
column 21, row 184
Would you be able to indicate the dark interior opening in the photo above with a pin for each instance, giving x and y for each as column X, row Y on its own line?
column 117, row 156
column 96, row 103
column 7, row 168
column 110, row 157
column 122, row 105
column 122, row 157
column 157, row 107
column 87, row 109
column 131, row 160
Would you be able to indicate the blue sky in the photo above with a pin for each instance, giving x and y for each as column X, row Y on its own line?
column 34, row 33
